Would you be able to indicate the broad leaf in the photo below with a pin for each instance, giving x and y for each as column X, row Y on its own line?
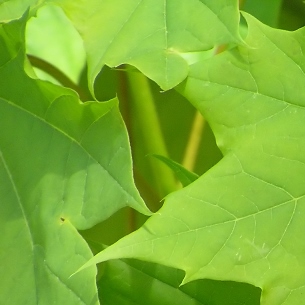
column 131, row 282
column 151, row 34
column 52, row 37
column 64, row 166
column 14, row 9
column 244, row 219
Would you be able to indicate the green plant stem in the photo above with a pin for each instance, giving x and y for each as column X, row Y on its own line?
column 148, row 121
column 58, row 75
column 192, row 147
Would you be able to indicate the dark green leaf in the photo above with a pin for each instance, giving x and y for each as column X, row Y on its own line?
column 185, row 177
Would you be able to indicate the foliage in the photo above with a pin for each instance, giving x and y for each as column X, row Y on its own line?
column 233, row 235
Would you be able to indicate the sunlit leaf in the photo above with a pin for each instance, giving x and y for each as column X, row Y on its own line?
column 14, row 9
column 244, row 219
column 51, row 36
column 64, row 166
column 151, row 34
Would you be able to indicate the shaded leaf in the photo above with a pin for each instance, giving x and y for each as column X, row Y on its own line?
column 136, row 282
column 64, row 166
column 185, row 177
column 266, row 11
column 151, row 34
column 244, row 219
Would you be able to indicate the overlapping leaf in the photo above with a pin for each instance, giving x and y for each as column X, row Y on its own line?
column 151, row 34
column 132, row 282
column 51, row 36
column 244, row 219
column 10, row 10
column 63, row 166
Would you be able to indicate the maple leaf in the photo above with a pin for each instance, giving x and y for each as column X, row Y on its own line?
column 244, row 219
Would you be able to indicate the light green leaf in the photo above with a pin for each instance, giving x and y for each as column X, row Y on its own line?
column 185, row 177
column 14, row 9
column 52, row 37
column 64, row 166
column 151, row 34
column 244, row 219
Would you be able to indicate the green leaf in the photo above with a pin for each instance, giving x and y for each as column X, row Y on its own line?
column 151, row 35
column 134, row 282
column 185, row 177
column 266, row 11
column 14, row 9
column 131, row 281
column 64, row 166
column 244, row 219
column 52, row 37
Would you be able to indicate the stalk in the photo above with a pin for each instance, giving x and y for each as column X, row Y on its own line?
column 62, row 78
column 192, row 147
column 143, row 106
